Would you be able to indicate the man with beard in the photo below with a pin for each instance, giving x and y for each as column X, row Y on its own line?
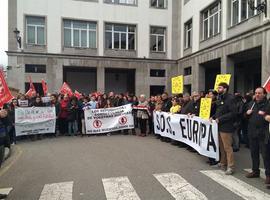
column 258, row 132
column 225, row 117
column 167, row 104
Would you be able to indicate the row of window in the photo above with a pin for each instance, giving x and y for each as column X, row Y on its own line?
column 30, row 68
column 83, row 34
column 153, row 3
column 211, row 19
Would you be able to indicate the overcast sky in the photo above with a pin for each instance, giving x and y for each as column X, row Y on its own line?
column 3, row 31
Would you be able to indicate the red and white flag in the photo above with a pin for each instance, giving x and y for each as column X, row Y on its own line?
column 32, row 88
column 44, row 87
column 267, row 85
column 65, row 89
column 5, row 95
column 77, row 94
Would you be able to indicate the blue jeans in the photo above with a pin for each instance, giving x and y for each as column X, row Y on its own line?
column 72, row 127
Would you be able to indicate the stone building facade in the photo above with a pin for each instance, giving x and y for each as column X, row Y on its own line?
column 162, row 39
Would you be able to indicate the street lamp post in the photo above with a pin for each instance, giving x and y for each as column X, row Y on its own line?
column 18, row 38
column 261, row 7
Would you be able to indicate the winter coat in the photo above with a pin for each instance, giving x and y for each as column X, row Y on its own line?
column 226, row 112
column 258, row 127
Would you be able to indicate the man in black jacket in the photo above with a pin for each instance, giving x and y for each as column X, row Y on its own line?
column 258, row 132
column 167, row 103
column 225, row 117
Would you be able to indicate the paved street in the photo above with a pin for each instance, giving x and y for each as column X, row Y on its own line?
column 121, row 167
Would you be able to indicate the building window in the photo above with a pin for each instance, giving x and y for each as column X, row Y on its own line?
column 188, row 34
column 157, row 72
column 211, row 21
column 119, row 36
column 80, row 34
column 240, row 10
column 158, row 3
column 35, row 68
column 157, row 39
column 128, row 2
column 187, row 71
column 35, row 28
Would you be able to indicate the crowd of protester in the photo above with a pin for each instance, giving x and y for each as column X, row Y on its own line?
column 241, row 119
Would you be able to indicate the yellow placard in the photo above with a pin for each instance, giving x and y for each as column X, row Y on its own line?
column 222, row 78
column 177, row 85
column 205, row 108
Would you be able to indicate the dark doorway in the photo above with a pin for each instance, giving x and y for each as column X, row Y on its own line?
column 211, row 70
column 156, row 89
column 120, row 80
column 187, row 89
column 247, row 70
column 82, row 79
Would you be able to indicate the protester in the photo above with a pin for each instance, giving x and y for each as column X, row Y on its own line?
column 225, row 117
column 142, row 114
column 213, row 95
column 176, row 108
column 63, row 114
column 152, row 105
column 167, row 104
column 3, row 135
column 238, row 122
column 73, row 110
column 258, row 132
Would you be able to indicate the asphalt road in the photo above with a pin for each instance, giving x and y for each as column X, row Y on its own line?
column 88, row 163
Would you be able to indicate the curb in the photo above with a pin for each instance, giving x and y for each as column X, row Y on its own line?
column 12, row 156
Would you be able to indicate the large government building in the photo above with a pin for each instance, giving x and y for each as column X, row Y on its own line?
column 138, row 45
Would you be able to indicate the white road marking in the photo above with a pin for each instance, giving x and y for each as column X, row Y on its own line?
column 57, row 191
column 5, row 190
column 178, row 187
column 119, row 188
column 237, row 186
column 262, row 174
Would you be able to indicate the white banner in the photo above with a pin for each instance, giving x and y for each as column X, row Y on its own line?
column 200, row 134
column 35, row 120
column 109, row 119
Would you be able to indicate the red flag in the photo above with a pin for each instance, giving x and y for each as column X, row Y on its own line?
column 30, row 92
column 5, row 95
column 65, row 89
column 44, row 87
column 31, row 84
column 32, row 88
column 267, row 85
column 77, row 94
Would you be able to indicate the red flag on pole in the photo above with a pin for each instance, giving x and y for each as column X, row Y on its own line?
column 267, row 85
column 77, row 94
column 44, row 87
column 65, row 89
column 5, row 95
column 32, row 88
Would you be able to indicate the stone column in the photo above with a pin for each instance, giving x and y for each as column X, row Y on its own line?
column 265, row 57
column 101, row 79
column 227, row 67
column 198, row 77
column 54, row 74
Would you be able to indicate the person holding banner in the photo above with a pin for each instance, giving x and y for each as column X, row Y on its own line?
column 142, row 114
column 225, row 117
column 258, row 131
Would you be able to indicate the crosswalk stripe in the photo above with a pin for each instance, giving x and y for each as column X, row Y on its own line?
column 119, row 188
column 178, row 187
column 262, row 174
column 237, row 186
column 57, row 191
column 5, row 190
